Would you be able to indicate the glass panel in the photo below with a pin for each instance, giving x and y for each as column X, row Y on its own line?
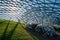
column 57, row 1
column 49, row 1
column 30, row 9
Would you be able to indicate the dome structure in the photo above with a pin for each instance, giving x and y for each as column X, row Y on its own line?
column 30, row 11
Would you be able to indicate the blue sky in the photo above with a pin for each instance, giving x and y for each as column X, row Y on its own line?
column 22, row 9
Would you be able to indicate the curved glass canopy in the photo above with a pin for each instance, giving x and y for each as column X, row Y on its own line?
column 30, row 11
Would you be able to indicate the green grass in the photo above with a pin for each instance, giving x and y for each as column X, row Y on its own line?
column 10, row 30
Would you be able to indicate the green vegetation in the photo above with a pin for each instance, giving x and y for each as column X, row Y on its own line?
column 10, row 30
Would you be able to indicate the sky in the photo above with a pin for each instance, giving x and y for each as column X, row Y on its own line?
column 28, row 10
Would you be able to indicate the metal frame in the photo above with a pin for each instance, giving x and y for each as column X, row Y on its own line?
column 43, row 8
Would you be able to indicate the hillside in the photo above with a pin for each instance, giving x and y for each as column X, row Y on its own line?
column 10, row 30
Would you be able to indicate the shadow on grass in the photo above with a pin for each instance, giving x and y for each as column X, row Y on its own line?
column 11, row 32
column 4, row 33
column 9, row 35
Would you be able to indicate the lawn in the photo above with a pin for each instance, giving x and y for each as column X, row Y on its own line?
column 10, row 30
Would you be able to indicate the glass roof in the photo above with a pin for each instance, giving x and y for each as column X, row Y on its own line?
column 30, row 11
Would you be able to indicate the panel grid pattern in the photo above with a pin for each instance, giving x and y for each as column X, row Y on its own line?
column 30, row 11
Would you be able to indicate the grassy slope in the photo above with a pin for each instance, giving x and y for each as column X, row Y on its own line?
column 10, row 30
